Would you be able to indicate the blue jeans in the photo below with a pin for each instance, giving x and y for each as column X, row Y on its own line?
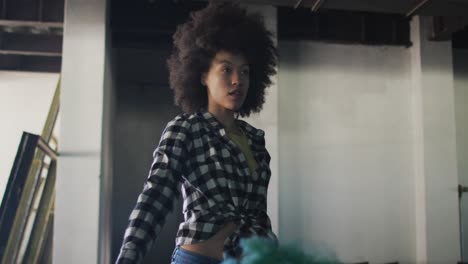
column 182, row 256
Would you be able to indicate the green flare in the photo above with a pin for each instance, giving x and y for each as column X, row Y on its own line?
column 264, row 251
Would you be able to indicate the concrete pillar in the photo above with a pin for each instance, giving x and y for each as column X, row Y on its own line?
column 76, row 224
column 434, row 148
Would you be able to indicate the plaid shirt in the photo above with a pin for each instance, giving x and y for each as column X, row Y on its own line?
column 216, row 183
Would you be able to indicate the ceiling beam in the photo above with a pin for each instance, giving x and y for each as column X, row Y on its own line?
column 30, row 53
column 31, row 27
column 21, row 23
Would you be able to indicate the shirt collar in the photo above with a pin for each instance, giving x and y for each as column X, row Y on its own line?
column 249, row 130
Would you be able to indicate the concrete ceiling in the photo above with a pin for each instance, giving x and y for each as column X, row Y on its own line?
column 405, row 7
column 30, row 30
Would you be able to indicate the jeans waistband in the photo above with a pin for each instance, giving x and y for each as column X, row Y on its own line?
column 181, row 255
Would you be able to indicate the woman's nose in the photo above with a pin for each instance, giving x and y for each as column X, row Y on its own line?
column 235, row 78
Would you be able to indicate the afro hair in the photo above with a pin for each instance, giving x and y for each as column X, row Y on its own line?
column 221, row 26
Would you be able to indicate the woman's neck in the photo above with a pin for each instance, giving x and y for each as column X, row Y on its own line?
column 226, row 118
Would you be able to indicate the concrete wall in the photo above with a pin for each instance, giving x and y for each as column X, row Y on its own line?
column 144, row 106
column 345, row 150
column 367, row 150
column 25, row 99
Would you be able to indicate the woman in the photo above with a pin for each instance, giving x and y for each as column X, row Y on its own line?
column 219, row 70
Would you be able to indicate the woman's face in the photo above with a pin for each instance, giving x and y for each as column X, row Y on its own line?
column 227, row 81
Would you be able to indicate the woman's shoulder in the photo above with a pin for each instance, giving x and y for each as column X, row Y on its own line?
column 177, row 130
column 184, row 122
column 255, row 134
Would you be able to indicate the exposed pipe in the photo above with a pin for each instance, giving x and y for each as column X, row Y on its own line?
column 416, row 7
column 297, row 4
column 317, row 5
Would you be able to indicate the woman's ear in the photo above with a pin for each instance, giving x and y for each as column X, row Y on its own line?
column 203, row 79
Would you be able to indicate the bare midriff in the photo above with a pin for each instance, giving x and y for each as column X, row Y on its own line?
column 212, row 247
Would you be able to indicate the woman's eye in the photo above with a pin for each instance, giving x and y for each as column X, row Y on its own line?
column 245, row 72
column 226, row 70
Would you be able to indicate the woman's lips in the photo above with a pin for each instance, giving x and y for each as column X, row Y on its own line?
column 236, row 95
